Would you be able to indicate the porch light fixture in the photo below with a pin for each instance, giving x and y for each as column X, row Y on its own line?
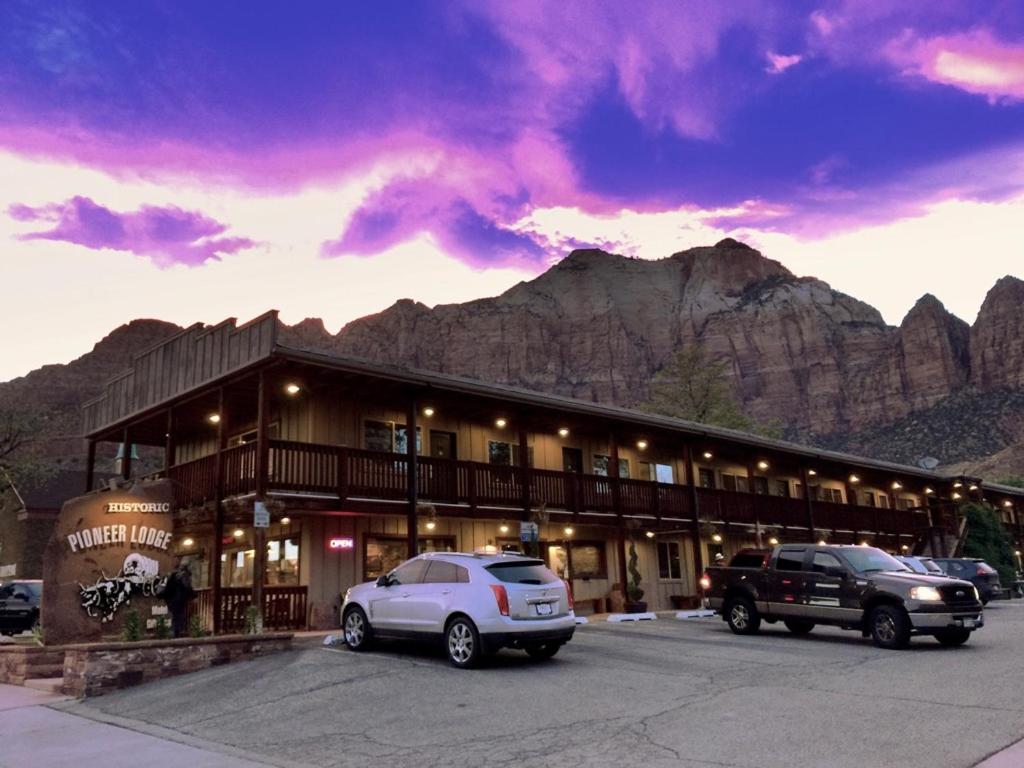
column 854, row 479
column 500, row 423
column 773, row 541
column 762, row 464
column 650, row 534
column 428, row 411
column 569, row 531
column 904, row 547
column 431, row 525
column 972, row 487
column 822, row 542
column 958, row 484
column 1017, row 552
column 213, row 418
column 239, row 533
column 956, row 495
column 812, row 472
column 1007, row 503
column 896, row 485
column 188, row 542
column 292, row 389
column 563, row 431
column 717, row 538
column 503, row 527
column 285, row 520
column 641, row 444
column 863, row 544
column 928, row 491
column 708, row 455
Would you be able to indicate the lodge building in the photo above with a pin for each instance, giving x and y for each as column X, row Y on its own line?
column 360, row 464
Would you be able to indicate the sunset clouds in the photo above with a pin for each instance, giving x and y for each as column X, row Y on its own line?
column 185, row 147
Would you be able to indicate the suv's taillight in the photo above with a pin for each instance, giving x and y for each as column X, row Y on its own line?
column 501, row 596
column 705, row 582
column 568, row 593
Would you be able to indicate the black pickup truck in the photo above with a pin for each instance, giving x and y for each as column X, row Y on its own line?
column 852, row 587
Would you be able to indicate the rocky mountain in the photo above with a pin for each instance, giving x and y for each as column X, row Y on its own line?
column 599, row 326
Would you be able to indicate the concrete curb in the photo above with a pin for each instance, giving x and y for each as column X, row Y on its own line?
column 621, row 617
column 695, row 614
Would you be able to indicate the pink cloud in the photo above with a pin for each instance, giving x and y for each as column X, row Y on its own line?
column 974, row 61
column 779, row 63
column 165, row 235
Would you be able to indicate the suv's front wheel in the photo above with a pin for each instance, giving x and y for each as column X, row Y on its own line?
column 462, row 641
column 358, row 632
column 742, row 616
column 890, row 627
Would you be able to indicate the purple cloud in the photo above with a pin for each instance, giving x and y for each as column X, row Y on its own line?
column 165, row 235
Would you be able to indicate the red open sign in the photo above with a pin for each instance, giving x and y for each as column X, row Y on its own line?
column 341, row 542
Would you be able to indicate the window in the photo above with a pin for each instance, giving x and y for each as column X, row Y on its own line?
column 388, row 437
column 883, row 501
column 588, row 560
column 660, row 473
column 867, row 498
column 729, row 482
column 601, row 464
column 250, row 436
column 823, row 561
column 522, row 573
column 761, row 485
column 283, row 562
column 669, row 564
column 790, row 560
column 780, row 488
column 832, row 494
column 382, row 554
column 410, row 573
column 749, row 560
column 441, row 572
column 506, row 454
column 707, row 478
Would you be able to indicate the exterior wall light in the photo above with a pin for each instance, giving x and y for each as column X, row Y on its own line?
column 213, row 418
column 973, row 487
column 863, row 544
column 822, row 542
column 904, row 547
column 188, row 542
column 812, row 472
column 762, row 464
column 431, row 525
column 285, row 520
column 500, row 423
column 563, row 432
column 854, row 479
column 292, row 389
column 708, row 455
column 956, row 495
column 958, row 484
column 1007, row 503
column 717, row 538
column 503, row 527
column 569, row 530
column 650, row 534
column 641, row 444
column 428, row 411
column 928, row 491
column 239, row 533
column 896, row 485
column 773, row 541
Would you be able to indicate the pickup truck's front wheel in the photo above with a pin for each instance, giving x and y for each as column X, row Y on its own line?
column 798, row 626
column 953, row 637
column 890, row 627
column 742, row 616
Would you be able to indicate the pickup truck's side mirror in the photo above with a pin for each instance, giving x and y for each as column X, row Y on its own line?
column 383, row 580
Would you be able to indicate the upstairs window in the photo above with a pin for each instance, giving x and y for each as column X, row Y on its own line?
column 504, row 454
column 388, row 437
column 601, row 464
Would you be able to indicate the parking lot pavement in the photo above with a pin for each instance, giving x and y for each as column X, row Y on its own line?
column 665, row 693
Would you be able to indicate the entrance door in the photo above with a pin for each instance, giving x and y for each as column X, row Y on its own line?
column 572, row 460
column 442, row 445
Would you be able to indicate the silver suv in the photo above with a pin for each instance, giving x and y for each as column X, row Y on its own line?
column 477, row 604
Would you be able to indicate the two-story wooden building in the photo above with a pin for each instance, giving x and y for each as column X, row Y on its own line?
column 361, row 464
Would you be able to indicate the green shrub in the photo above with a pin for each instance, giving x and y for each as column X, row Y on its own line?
column 132, row 630
column 195, row 627
column 636, row 594
column 162, row 629
column 253, row 621
column 989, row 540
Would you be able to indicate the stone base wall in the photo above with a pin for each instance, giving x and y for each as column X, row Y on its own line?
column 97, row 668
column 19, row 663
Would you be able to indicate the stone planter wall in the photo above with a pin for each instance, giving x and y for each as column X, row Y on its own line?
column 19, row 663
column 96, row 668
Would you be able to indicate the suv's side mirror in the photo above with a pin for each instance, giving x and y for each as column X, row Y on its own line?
column 383, row 580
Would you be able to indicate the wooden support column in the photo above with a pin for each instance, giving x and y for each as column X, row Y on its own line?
column 613, row 484
column 412, row 492
column 805, row 480
column 691, row 481
column 524, row 467
column 750, row 478
column 851, row 494
column 218, row 515
column 259, row 559
column 126, row 455
column 169, row 441
column 90, row 466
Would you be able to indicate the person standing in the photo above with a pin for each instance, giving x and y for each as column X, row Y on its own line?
column 177, row 594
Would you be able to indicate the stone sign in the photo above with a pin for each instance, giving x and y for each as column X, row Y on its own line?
column 109, row 550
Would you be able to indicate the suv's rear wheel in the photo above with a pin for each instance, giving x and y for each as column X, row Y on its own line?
column 799, row 626
column 889, row 627
column 542, row 651
column 358, row 632
column 742, row 616
column 462, row 642
column 953, row 637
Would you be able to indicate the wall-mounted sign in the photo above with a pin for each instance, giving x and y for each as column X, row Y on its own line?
column 529, row 532
column 260, row 515
column 109, row 549
column 341, row 542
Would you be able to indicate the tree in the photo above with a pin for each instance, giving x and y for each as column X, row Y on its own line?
column 22, row 443
column 691, row 387
column 989, row 540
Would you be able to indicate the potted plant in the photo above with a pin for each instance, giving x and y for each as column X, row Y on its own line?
column 634, row 592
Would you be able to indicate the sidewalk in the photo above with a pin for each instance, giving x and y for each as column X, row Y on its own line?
column 36, row 736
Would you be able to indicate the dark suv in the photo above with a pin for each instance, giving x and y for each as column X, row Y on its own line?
column 974, row 570
column 19, row 606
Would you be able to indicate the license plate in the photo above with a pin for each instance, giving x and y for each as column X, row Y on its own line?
column 543, row 609
column 968, row 623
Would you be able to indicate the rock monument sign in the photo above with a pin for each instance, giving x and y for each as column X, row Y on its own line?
column 109, row 550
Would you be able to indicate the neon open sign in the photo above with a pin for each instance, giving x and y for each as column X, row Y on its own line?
column 341, row 542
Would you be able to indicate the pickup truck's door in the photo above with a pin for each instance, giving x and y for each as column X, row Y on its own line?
column 828, row 590
column 787, row 591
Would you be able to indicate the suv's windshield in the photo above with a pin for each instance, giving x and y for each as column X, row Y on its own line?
column 869, row 559
column 522, row 572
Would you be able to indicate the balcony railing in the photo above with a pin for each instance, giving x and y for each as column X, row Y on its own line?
column 284, row 608
column 352, row 473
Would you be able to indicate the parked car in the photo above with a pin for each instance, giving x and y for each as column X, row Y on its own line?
column 475, row 603
column 19, row 606
column 852, row 587
column 919, row 564
column 975, row 570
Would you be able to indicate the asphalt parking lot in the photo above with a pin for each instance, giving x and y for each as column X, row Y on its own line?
column 665, row 693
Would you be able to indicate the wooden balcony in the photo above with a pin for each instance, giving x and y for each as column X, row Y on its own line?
column 354, row 474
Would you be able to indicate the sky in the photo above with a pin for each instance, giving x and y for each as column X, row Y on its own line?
column 191, row 161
